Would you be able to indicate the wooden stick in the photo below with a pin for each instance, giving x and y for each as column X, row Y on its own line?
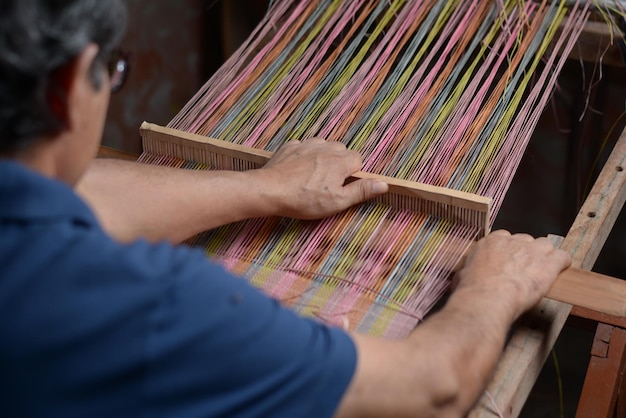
column 590, row 290
column 454, row 199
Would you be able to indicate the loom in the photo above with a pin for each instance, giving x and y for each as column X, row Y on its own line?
column 577, row 287
column 393, row 76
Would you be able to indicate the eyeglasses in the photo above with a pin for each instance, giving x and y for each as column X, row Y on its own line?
column 118, row 67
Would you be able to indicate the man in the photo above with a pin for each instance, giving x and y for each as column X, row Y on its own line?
column 97, row 323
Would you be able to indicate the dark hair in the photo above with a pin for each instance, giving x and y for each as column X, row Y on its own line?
column 37, row 37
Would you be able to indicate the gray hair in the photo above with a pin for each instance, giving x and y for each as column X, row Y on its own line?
column 37, row 37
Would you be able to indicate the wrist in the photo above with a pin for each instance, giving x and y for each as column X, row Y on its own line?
column 501, row 301
column 265, row 193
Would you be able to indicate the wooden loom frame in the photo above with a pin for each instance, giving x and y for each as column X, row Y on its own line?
column 536, row 334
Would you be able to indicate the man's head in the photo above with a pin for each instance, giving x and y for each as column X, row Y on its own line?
column 44, row 46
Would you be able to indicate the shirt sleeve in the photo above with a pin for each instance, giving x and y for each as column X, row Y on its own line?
column 217, row 346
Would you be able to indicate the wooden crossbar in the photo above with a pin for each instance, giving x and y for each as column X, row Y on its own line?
column 590, row 290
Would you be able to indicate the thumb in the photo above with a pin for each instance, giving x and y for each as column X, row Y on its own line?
column 364, row 189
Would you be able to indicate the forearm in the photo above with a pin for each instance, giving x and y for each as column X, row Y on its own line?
column 439, row 370
column 477, row 323
column 302, row 180
column 135, row 200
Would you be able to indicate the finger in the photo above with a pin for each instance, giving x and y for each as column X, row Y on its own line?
column 336, row 146
column 524, row 237
column 545, row 242
column 501, row 232
column 354, row 162
column 288, row 145
column 363, row 189
column 292, row 142
column 562, row 258
column 315, row 140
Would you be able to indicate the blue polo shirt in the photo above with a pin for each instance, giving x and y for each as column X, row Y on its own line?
column 90, row 327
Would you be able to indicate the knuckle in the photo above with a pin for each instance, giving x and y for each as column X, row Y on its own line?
column 337, row 146
column 316, row 140
column 356, row 159
column 524, row 237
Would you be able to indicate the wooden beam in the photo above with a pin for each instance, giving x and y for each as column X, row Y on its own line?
column 108, row 152
column 599, row 317
column 604, row 375
column 586, row 289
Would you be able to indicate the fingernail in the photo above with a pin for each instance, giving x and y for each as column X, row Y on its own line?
column 380, row 187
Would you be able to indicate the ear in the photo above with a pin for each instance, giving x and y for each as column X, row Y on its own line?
column 67, row 84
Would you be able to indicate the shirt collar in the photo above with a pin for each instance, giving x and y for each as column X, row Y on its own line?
column 28, row 195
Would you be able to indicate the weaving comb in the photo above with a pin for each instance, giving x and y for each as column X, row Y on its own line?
column 460, row 207
column 574, row 286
